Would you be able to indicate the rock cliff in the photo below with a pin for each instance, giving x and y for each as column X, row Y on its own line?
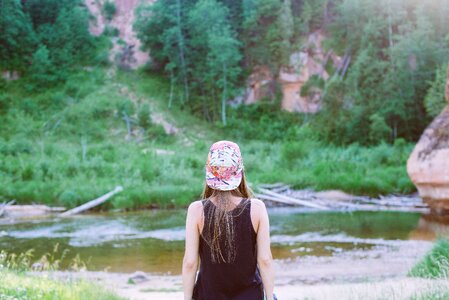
column 311, row 60
column 126, row 50
column 428, row 165
column 260, row 84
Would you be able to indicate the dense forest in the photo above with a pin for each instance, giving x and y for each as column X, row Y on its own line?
column 73, row 119
column 396, row 48
column 398, row 51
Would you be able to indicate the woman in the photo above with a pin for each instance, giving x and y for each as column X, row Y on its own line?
column 229, row 231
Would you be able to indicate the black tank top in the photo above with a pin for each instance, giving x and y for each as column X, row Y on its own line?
column 239, row 280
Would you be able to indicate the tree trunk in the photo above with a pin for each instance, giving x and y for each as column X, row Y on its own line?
column 170, row 99
column 223, row 97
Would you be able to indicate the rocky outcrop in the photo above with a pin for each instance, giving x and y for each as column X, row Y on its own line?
column 10, row 75
column 428, row 165
column 260, row 85
column 310, row 61
column 303, row 65
column 126, row 46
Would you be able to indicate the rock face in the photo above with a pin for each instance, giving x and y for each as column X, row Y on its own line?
column 303, row 65
column 428, row 165
column 127, row 54
column 10, row 75
column 260, row 85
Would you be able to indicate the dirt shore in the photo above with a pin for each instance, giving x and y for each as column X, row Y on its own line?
column 377, row 273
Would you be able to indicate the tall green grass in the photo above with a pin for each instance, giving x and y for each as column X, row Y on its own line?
column 20, row 286
column 435, row 264
column 17, row 283
column 70, row 144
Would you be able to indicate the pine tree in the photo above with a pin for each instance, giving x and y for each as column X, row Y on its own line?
column 17, row 38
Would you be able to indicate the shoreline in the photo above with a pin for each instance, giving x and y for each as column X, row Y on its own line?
column 348, row 274
column 41, row 210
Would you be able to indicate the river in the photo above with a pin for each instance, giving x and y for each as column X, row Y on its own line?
column 153, row 241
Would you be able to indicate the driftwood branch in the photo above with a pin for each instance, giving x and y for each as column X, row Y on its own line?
column 281, row 193
column 290, row 200
column 92, row 203
column 4, row 205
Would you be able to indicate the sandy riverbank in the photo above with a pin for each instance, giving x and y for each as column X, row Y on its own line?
column 376, row 273
column 391, row 289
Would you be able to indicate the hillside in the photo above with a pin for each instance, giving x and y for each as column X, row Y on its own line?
column 72, row 143
column 337, row 95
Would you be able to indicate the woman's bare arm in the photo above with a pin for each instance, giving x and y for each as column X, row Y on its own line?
column 190, row 261
column 264, row 257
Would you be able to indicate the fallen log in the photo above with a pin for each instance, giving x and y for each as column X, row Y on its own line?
column 282, row 198
column 281, row 193
column 92, row 203
column 4, row 205
column 272, row 185
column 271, row 198
column 374, row 207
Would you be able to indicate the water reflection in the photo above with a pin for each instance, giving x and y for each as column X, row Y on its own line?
column 431, row 227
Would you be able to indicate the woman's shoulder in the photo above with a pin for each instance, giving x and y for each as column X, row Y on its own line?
column 195, row 207
column 257, row 206
column 257, row 203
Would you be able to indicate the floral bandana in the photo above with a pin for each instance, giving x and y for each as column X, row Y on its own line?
column 224, row 166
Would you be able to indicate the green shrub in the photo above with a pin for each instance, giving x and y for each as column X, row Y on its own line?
column 293, row 151
column 378, row 129
column 435, row 264
column 434, row 101
column 109, row 10
column 110, row 31
column 144, row 117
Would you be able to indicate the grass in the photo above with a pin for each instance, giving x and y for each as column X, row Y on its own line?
column 434, row 295
column 20, row 286
column 15, row 283
column 435, row 264
column 70, row 144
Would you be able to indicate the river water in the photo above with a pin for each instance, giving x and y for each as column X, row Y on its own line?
column 153, row 241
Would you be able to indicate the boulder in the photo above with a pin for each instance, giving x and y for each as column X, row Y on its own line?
column 428, row 165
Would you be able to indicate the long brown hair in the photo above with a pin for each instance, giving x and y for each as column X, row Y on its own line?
column 220, row 220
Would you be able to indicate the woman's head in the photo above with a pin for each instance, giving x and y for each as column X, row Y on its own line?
column 224, row 171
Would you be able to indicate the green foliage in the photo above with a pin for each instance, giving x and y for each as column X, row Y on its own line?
column 260, row 33
column 21, row 286
column 378, row 129
column 17, row 37
column 58, row 142
column 195, row 44
column 314, row 82
column 395, row 48
column 435, row 264
column 434, row 101
column 51, row 35
column 42, row 69
column 109, row 10
column 144, row 117
column 392, row 49
column 50, row 261
column 286, row 28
